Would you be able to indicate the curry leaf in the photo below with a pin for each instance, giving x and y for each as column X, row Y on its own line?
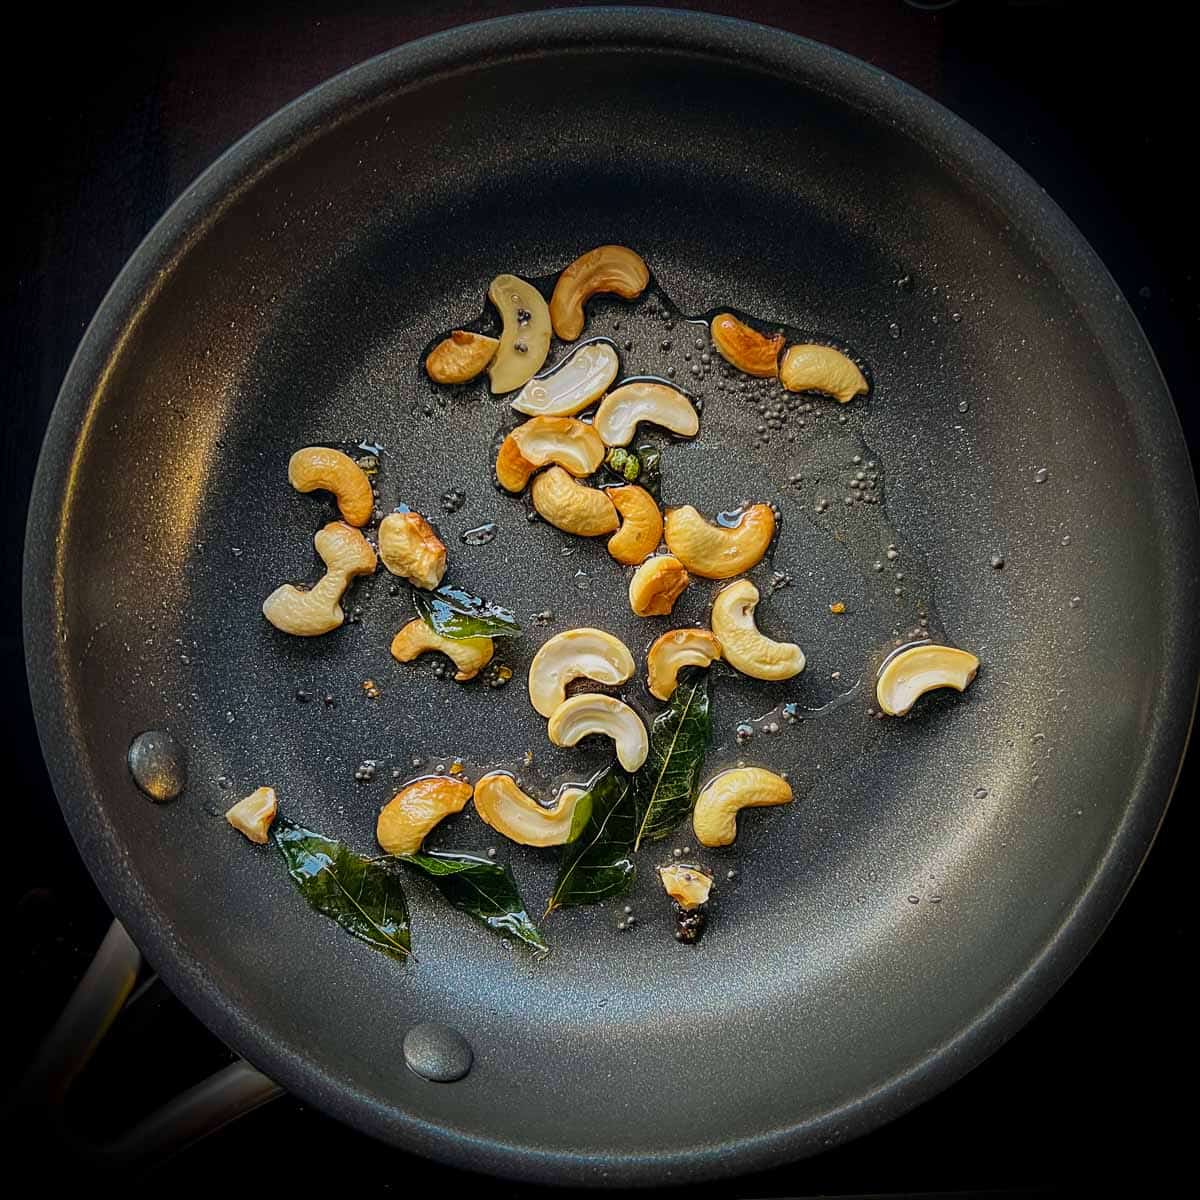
column 457, row 614
column 598, row 863
column 650, row 476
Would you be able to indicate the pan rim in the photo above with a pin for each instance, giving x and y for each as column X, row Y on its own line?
column 989, row 170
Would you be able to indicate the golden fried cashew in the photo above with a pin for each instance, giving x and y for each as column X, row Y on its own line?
column 656, row 585
column 253, row 814
column 743, row 647
column 508, row 810
column 821, row 369
column 615, row 269
column 593, row 712
column 308, row 612
column 469, row 655
column 573, row 654
column 915, row 670
column 688, row 886
column 575, row 384
column 673, row 651
column 524, row 334
column 571, row 444
column 719, row 551
column 571, row 506
column 625, row 407
column 321, row 468
column 714, row 819
column 512, row 470
column 409, row 548
column 406, row 819
column 460, row 356
column 641, row 525
column 746, row 348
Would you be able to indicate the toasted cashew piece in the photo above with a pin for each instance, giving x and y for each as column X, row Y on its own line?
column 656, row 585
column 321, row 468
column 673, row 651
column 625, row 407
column 469, row 655
column 719, row 551
column 406, row 819
column 641, row 525
column 688, row 886
column 571, row 506
column 253, row 814
column 746, row 348
column 615, row 269
column 593, row 712
column 821, row 369
column 409, row 548
column 309, row 612
column 911, row 672
column 534, row 443
column 508, row 810
column 524, row 334
column 743, row 647
column 714, row 819
column 460, row 356
column 574, row 654
column 575, row 384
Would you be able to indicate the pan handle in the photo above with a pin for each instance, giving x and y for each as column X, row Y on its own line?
column 203, row 1109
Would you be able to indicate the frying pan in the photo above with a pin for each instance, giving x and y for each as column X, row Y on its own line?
column 936, row 879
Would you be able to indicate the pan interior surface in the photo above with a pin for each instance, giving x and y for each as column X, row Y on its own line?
column 908, row 911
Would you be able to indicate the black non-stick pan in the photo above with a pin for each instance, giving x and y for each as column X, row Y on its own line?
column 937, row 877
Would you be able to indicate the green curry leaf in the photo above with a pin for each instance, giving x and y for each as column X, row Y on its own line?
column 598, row 862
column 456, row 614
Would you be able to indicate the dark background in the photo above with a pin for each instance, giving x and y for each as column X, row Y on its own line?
column 112, row 114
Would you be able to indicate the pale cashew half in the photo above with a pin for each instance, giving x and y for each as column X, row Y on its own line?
column 409, row 548
column 469, row 655
column 821, row 369
column 673, row 651
column 534, row 443
column 714, row 819
column 656, row 585
column 574, row 654
column 405, row 821
column 615, row 269
column 308, row 612
column 508, row 810
column 571, row 506
column 460, row 356
column 910, row 673
column 719, row 551
column 743, row 647
column 641, row 525
column 688, row 886
column 625, row 407
column 254, row 814
column 593, row 712
column 524, row 335
column 575, row 384
column 320, row 468
column 746, row 348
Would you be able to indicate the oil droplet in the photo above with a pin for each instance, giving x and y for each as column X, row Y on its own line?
column 1041, row 475
column 981, row 793
column 583, row 581
column 1076, row 601
column 158, row 764
column 963, row 406
column 480, row 535
column 996, row 562
column 894, row 329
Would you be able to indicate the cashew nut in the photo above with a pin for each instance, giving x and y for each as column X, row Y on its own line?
column 821, row 369
column 573, row 654
column 621, row 410
column 746, row 348
column 673, row 651
column 461, row 356
column 656, row 585
column 409, row 548
column 524, row 334
column 688, row 886
column 915, row 670
column 316, row 610
column 614, row 269
column 594, row 712
column 319, row 467
column 508, row 810
column 719, row 551
column 714, row 819
column 744, row 648
column 254, row 814
column 406, row 819
column 541, row 440
column 641, row 525
column 571, row 506
column 469, row 655
column 575, row 384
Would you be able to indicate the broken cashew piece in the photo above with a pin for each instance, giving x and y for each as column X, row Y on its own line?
column 524, row 335
column 406, row 819
column 409, row 548
column 575, row 384
column 593, row 712
column 714, row 819
column 508, row 810
column 641, row 525
column 562, row 440
column 744, row 648
column 469, row 655
column 318, row 468
column 460, row 356
column 688, row 886
column 572, row 506
column 615, row 269
column 746, row 348
column 673, row 651
column 910, row 673
column 719, row 551
column 656, row 585
column 625, row 407
column 254, row 814
column 822, row 369
column 309, row 612
column 576, row 654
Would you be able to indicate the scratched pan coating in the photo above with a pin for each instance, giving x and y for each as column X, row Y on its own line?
column 286, row 299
